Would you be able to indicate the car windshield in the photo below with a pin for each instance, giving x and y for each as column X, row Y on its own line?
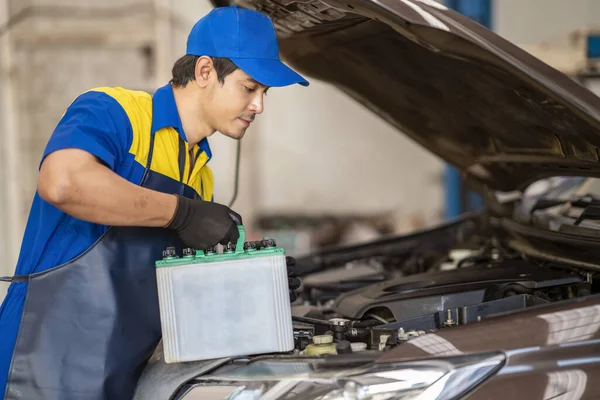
column 557, row 188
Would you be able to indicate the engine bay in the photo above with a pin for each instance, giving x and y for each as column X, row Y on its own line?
column 380, row 301
column 366, row 305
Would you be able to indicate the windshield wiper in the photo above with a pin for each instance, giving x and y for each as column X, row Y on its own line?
column 589, row 203
column 582, row 202
column 591, row 212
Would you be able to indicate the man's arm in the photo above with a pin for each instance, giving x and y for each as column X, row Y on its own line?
column 77, row 175
column 74, row 181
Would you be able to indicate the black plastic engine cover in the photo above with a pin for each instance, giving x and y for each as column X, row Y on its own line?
column 328, row 285
column 422, row 294
column 345, row 278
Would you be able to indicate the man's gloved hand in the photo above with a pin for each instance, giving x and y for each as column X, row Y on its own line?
column 294, row 282
column 202, row 224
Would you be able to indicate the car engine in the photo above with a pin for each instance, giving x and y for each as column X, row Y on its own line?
column 361, row 306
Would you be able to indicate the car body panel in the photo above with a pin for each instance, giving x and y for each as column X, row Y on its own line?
column 552, row 350
column 558, row 372
column 160, row 381
column 546, row 325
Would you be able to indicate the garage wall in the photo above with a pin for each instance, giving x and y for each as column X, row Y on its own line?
column 539, row 21
column 3, row 207
column 56, row 56
column 346, row 157
column 89, row 67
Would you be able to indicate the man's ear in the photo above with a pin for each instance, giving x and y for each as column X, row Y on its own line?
column 204, row 70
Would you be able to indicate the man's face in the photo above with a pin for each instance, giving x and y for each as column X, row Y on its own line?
column 233, row 105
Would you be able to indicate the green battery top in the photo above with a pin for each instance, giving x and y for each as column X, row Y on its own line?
column 242, row 250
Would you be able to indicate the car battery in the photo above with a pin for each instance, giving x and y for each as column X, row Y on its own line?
column 224, row 305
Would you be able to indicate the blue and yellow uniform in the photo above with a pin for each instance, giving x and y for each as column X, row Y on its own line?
column 116, row 126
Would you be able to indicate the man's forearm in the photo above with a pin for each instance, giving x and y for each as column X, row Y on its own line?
column 86, row 189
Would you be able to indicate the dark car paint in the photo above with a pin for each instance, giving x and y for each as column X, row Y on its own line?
column 162, row 381
column 537, row 375
column 439, row 239
column 478, row 101
column 548, row 348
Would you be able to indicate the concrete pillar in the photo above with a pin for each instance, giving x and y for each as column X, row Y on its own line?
column 12, row 221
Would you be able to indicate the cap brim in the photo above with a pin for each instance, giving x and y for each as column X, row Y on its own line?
column 269, row 72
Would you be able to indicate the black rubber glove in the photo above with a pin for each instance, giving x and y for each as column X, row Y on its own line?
column 202, row 224
column 294, row 282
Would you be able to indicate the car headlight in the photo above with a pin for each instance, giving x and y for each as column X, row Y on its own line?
column 436, row 379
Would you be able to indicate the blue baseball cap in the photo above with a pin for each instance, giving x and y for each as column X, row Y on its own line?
column 248, row 39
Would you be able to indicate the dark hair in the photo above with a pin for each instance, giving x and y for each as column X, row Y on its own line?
column 184, row 69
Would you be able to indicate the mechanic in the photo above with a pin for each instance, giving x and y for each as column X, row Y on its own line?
column 123, row 176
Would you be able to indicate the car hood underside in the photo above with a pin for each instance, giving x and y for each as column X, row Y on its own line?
column 500, row 115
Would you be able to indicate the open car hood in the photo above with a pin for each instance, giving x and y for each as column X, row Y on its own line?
column 503, row 117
